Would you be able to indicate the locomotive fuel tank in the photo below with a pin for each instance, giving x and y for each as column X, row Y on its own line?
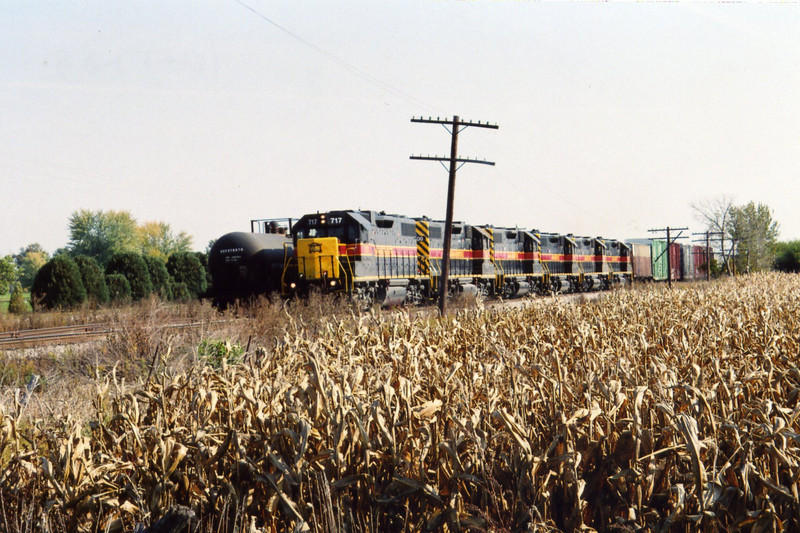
column 245, row 265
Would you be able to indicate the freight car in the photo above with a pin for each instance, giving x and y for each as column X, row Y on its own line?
column 246, row 265
column 687, row 262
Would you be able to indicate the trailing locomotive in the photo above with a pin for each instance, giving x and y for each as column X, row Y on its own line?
column 391, row 260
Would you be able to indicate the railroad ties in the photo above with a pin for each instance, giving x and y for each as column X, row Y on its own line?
column 25, row 338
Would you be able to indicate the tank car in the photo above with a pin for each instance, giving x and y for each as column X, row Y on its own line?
column 245, row 265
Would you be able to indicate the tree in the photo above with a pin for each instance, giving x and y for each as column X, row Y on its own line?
column 156, row 239
column 787, row 256
column 8, row 273
column 186, row 268
column 17, row 305
column 119, row 290
column 715, row 214
column 101, row 234
column 755, row 233
column 203, row 258
column 159, row 277
column 132, row 266
column 93, row 279
column 58, row 284
column 29, row 260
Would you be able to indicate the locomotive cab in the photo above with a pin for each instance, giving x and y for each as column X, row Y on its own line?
column 322, row 242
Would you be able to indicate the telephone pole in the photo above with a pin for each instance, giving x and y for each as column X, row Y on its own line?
column 670, row 240
column 708, row 239
column 456, row 125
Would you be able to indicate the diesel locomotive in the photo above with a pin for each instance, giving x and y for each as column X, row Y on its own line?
column 390, row 259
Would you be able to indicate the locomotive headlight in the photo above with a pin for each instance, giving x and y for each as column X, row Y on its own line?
column 333, row 283
column 293, row 285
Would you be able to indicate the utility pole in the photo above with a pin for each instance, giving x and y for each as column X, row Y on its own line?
column 670, row 240
column 456, row 162
column 708, row 235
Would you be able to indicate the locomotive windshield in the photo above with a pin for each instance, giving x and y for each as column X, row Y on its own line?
column 343, row 233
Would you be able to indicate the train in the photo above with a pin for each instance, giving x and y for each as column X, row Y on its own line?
column 388, row 259
column 652, row 261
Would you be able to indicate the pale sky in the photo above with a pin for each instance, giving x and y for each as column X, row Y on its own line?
column 613, row 117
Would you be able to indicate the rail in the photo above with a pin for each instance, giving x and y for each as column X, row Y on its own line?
column 27, row 338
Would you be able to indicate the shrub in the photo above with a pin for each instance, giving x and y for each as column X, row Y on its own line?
column 203, row 258
column 214, row 352
column 93, row 279
column 181, row 293
column 119, row 289
column 58, row 284
column 17, row 304
column 185, row 267
column 132, row 266
column 787, row 261
column 159, row 276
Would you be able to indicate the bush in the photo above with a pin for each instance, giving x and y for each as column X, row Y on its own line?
column 159, row 276
column 181, row 293
column 17, row 304
column 185, row 267
column 787, row 261
column 213, row 352
column 58, row 284
column 93, row 279
column 119, row 289
column 203, row 258
column 132, row 266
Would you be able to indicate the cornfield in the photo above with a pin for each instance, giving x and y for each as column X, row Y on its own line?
column 646, row 410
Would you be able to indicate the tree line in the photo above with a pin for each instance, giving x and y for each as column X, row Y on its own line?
column 109, row 258
column 745, row 237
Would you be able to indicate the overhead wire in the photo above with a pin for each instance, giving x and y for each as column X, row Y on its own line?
column 342, row 63
column 544, row 184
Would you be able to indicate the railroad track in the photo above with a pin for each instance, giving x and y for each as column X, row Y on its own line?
column 27, row 338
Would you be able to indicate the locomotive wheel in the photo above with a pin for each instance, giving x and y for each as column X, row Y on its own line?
column 364, row 297
column 414, row 295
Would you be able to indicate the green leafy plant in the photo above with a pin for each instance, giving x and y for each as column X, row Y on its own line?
column 133, row 267
column 17, row 303
column 58, row 284
column 93, row 279
column 187, row 268
column 119, row 290
column 214, row 352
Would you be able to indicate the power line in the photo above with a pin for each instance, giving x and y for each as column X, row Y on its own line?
column 341, row 62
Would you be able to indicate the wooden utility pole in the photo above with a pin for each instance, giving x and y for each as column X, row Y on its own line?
column 456, row 162
column 670, row 240
column 708, row 235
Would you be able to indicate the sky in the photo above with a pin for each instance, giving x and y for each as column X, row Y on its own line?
column 613, row 117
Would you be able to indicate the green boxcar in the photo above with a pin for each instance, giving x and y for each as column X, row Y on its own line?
column 658, row 252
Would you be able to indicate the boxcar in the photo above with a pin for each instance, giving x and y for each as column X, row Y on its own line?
column 700, row 261
column 642, row 262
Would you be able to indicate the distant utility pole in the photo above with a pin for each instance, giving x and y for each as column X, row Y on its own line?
column 456, row 162
column 708, row 235
column 670, row 240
